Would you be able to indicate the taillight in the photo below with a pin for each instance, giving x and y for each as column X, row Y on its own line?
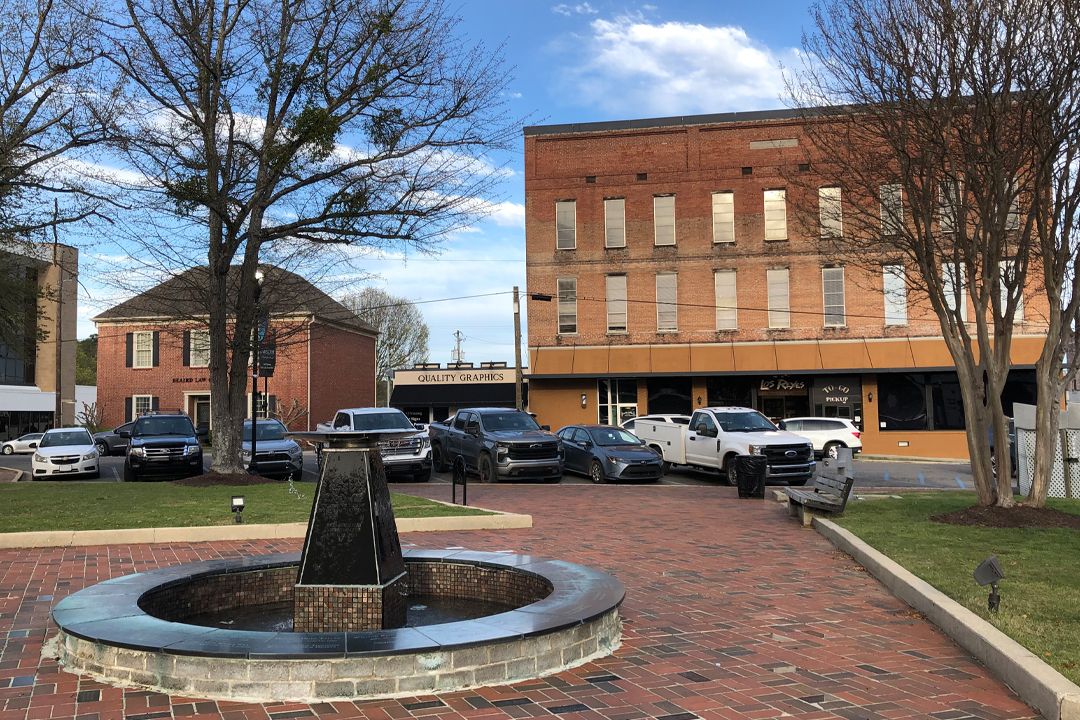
column 857, row 434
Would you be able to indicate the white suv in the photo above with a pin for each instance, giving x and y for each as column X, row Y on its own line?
column 826, row 434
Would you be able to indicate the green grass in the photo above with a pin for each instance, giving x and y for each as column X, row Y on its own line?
column 109, row 506
column 1040, row 605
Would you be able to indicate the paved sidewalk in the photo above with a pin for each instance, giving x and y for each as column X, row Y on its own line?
column 732, row 611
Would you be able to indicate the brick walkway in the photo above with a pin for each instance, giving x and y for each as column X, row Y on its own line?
column 732, row 611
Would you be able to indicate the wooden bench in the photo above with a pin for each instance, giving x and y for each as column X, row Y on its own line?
column 827, row 493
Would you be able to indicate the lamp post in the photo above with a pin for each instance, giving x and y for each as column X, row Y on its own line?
column 258, row 335
column 517, row 343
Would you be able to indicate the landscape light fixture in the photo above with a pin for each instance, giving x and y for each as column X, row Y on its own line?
column 238, row 508
column 990, row 573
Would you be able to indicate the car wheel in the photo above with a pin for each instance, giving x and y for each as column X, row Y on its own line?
column 422, row 475
column 830, row 450
column 596, row 472
column 438, row 462
column 103, row 449
column 486, row 471
column 729, row 471
column 8, row 450
column 664, row 464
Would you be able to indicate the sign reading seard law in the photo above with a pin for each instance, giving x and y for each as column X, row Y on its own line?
column 453, row 377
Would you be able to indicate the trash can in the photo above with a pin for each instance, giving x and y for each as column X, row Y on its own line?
column 750, row 475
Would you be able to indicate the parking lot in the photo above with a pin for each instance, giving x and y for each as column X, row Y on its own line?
column 868, row 473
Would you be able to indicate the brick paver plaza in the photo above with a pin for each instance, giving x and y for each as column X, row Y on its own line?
column 732, row 611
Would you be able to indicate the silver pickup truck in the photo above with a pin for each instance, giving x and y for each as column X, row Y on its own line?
column 409, row 456
column 497, row 444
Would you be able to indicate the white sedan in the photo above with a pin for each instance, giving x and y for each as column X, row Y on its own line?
column 22, row 444
column 64, row 452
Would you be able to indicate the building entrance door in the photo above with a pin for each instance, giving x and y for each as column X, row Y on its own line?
column 199, row 410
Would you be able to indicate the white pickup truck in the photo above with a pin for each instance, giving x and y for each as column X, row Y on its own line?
column 409, row 455
column 716, row 435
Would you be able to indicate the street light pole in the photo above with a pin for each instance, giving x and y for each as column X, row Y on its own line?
column 517, row 351
column 256, row 333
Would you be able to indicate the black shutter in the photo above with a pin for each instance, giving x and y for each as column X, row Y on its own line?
column 127, row 401
column 157, row 349
column 128, row 356
column 187, row 348
column 154, row 399
column 273, row 404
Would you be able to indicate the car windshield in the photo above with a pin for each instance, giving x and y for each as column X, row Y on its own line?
column 164, row 425
column 509, row 421
column 382, row 421
column 743, row 421
column 613, row 436
column 266, row 431
column 67, row 437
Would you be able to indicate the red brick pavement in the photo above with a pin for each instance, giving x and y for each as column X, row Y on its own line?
column 732, row 611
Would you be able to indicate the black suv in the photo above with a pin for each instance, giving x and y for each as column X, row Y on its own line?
column 163, row 444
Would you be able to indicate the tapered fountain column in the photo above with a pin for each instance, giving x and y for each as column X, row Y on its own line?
column 351, row 574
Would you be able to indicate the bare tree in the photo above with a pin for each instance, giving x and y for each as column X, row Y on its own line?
column 940, row 132
column 285, row 129
column 403, row 334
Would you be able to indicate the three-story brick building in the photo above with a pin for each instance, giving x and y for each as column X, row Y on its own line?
column 680, row 281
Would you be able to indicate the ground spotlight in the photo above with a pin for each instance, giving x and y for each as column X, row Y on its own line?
column 990, row 573
column 238, row 508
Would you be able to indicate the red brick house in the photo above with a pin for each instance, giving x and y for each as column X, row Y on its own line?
column 153, row 352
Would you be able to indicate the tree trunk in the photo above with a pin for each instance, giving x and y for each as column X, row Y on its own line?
column 1047, row 422
column 224, row 406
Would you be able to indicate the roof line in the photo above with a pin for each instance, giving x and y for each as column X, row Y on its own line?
column 677, row 120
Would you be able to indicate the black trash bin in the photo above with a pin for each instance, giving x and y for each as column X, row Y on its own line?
column 750, row 475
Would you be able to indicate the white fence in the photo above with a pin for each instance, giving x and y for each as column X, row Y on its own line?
column 1065, row 472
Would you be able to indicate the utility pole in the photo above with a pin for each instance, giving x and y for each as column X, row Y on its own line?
column 517, row 351
column 58, row 418
column 458, row 337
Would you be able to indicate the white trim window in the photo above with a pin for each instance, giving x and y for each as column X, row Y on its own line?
column 723, row 217
column 727, row 304
column 142, row 355
column 616, row 303
column 832, row 295
column 567, row 306
column 141, row 404
column 779, row 298
column 949, row 205
column 894, row 292
column 776, row 214
column 615, row 223
column 1008, row 275
column 1012, row 220
column 954, row 286
column 664, row 219
column 667, row 296
column 892, row 209
column 199, row 352
column 830, row 212
column 565, row 224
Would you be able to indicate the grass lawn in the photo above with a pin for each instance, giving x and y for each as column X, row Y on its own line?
column 1040, row 605
column 107, row 506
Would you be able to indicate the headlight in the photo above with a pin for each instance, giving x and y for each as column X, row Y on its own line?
column 296, row 452
column 191, row 450
column 757, row 449
column 612, row 459
column 40, row 458
column 245, row 453
column 90, row 455
column 138, row 451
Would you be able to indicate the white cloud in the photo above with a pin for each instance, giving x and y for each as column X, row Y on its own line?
column 635, row 67
column 579, row 9
column 507, row 214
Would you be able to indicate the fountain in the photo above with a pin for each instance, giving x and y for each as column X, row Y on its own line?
column 351, row 616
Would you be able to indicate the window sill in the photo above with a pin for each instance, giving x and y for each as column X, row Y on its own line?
column 667, row 332
column 730, row 243
column 835, row 327
column 615, row 247
column 142, row 367
column 617, row 332
column 562, row 335
column 783, row 239
column 658, row 245
column 727, row 331
column 559, row 249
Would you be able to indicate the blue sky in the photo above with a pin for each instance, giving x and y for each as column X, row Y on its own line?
column 572, row 62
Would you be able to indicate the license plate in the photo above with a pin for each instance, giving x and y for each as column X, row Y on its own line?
column 65, row 468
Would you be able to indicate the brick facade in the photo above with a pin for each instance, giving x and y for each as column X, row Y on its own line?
column 747, row 155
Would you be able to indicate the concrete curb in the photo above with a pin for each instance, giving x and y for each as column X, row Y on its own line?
column 140, row 536
column 1037, row 684
column 18, row 474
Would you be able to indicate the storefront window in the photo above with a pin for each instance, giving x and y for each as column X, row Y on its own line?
column 617, row 400
column 729, row 392
column 669, row 396
column 948, row 405
column 902, row 402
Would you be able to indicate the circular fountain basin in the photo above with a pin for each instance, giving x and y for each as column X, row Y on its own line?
column 137, row 630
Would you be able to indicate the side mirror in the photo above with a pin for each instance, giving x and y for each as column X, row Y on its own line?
column 701, row 429
column 782, row 425
column 545, row 427
column 587, row 445
column 123, row 433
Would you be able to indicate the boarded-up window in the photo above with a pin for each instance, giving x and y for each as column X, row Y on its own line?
column 667, row 311
column 832, row 290
column 892, row 209
column 727, row 314
column 615, row 223
column 566, row 225
column 830, row 212
column 664, row 219
column 776, row 214
column 723, row 217
column 616, row 303
column 779, row 301
column 567, row 306
column 894, row 285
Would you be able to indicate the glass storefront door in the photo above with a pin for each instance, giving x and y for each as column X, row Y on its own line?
column 617, row 400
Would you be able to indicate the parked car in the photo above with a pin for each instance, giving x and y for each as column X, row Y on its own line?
column 1012, row 450
column 497, row 444
column 826, row 434
column 163, row 444
column 603, row 452
column 408, row 455
column 111, row 442
column 275, row 454
column 65, row 452
column 22, row 444
column 677, row 419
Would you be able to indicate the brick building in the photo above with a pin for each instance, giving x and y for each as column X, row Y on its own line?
column 153, row 352
column 679, row 282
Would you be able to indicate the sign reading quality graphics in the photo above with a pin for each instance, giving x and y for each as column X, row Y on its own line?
column 452, row 377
